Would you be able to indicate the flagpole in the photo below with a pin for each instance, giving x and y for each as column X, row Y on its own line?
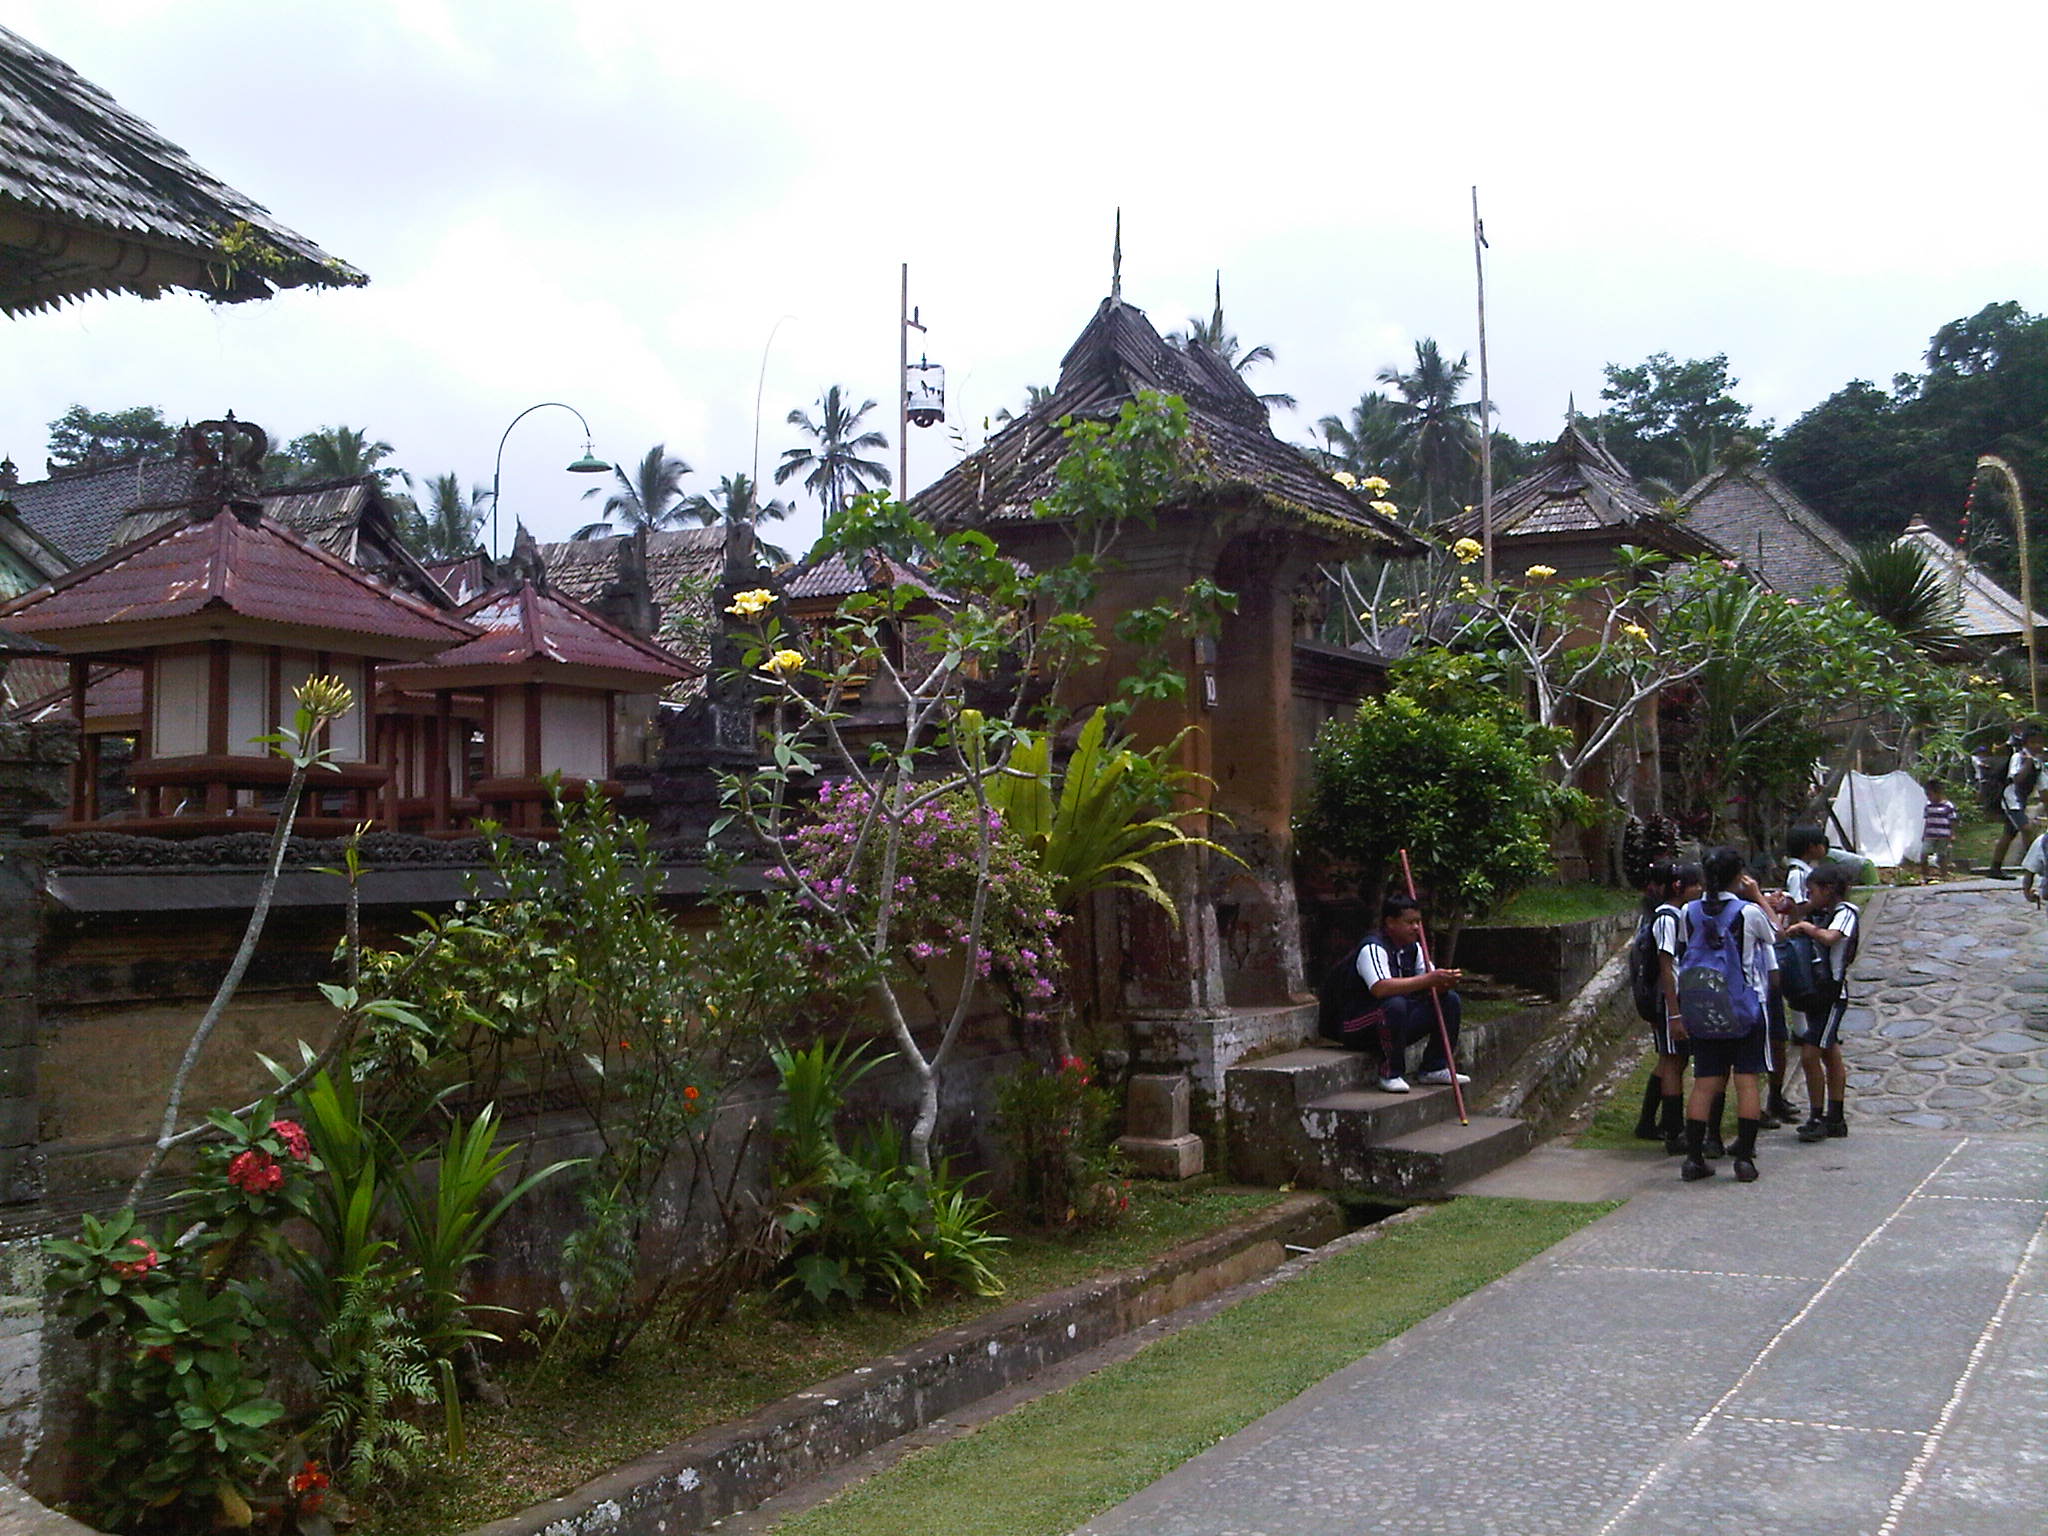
column 1485, row 402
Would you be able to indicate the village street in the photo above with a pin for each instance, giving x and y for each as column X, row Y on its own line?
column 1856, row 1344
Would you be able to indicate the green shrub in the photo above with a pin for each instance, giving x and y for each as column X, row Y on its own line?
column 1060, row 1168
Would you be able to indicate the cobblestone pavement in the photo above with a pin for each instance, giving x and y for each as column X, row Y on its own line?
column 1949, row 1028
column 1856, row 1345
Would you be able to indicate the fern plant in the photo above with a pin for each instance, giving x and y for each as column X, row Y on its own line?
column 376, row 1378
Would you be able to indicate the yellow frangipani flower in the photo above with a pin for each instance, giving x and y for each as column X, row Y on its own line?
column 746, row 604
column 1540, row 572
column 1636, row 631
column 1376, row 484
column 1385, row 508
column 1345, row 478
column 1468, row 550
column 782, row 663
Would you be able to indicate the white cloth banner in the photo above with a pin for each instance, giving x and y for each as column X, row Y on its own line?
column 1879, row 816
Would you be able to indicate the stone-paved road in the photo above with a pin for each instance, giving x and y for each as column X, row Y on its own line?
column 1950, row 1024
column 1857, row 1345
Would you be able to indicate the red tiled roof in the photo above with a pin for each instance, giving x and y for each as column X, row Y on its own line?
column 525, row 626
column 256, row 570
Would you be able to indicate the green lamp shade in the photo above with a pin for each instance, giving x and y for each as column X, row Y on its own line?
column 589, row 464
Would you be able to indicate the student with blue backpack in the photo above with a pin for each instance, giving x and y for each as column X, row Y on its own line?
column 1653, row 977
column 1727, row 967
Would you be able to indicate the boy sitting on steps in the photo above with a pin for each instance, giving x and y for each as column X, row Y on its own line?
column 1390, row 964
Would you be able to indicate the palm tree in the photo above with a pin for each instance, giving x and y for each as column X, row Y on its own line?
column 1439, row 432
column 833, row 468
column 1214, row 337
column 446, row 528
column 733, row 504
column 335, row 453
column 651, row 496
column 1369, row 443
column 1895, row 582
column 1035, row 395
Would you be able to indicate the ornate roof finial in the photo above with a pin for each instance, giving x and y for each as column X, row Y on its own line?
column 1571, row 408
column 1116, row 261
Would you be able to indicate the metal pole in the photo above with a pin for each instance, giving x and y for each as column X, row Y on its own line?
column 1485, row 402
column 903, row 390
column 498, row 466
column 1443, row 1030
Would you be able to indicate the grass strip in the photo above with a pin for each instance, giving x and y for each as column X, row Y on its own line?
column 1064, row 1458
column 569, row 1425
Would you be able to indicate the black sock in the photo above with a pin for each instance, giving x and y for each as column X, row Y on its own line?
column 1835, row 1111
column 1695, row 1138
column 1745, row 1140
column 1646, row 1122
column 1716, row 1113
column 1672, row 1120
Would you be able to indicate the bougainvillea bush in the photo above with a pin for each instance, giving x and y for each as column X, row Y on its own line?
column 934, row 878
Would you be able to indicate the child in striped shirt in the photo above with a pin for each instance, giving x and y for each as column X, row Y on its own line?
column 1937, row 830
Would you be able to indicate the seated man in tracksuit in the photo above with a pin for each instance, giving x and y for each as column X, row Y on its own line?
column 1390, row 964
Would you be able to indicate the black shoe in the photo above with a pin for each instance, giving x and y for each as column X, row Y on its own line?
column 1713, row 1151
column 1745, row 1171
column 1815, row 1129
column 1696, row 1169
column 1837, row 1128
column 1646, row 1130
column 1770, row 1120
column 1780, row 1109
column 1674, row 1146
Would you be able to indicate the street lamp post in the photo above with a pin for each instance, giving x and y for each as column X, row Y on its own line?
column 589, row 464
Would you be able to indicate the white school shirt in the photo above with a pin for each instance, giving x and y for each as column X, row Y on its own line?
column 1664, row 930
column 2036, row 861
column 2014, row 767
column 1796, row 871
column 1758, row 941
column 1377, row 963
column 1843, row 920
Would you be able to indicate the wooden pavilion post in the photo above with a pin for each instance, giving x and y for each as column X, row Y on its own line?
column 442, row 768
column 82, row 788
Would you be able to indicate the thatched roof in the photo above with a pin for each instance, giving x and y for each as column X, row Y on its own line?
column 1757, row 519
column 1117, row 354
column 1581, row 491
column 94, row 200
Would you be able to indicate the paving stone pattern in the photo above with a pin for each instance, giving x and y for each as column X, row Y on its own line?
column 1856, row 1345
column 1947, row 1027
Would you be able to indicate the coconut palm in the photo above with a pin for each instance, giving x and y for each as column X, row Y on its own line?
column 1368, row 442
column 1214, row 337
column 832, row 466
column 651, row 496
column 445, row 528
column 1895, row 582
column 1035, row 395
column 335, row 453
column 1439, row 432
column 733, row 504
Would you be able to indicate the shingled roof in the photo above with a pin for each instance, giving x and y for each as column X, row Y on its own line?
column 78, row 509
column 584, row 568
column 1117, row 354
column 528, row 630
column 1581, row 490
column 180, row 577
column 1985, row 610
column 834, row 576
column 1757, row 519
column 94, row 200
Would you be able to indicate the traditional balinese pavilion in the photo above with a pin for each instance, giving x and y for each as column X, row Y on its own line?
column 1758, row 519
column 1573, row 511
column 220, row 617
column 1257, row 518
column 544, row 679
column 1988, row 617
column 94, row 200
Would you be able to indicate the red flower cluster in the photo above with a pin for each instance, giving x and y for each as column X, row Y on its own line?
column 309, row 1485
column 1078, row 1067
column 255, row 1171
column 293, row 1135
column 136, row 1268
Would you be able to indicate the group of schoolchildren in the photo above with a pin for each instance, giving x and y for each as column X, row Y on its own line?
column 1718, row 965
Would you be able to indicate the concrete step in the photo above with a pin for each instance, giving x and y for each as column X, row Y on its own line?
column 1266, row 1141
column 1426, row 1164
column 1371, row 1116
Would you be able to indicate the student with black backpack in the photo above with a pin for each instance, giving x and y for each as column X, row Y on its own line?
column 1653, row 977
column 1832, row 925
column 1728, row 966
column 2022, row 772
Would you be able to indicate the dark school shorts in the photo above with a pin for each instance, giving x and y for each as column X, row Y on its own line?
column 1774, row 1014
column 1662, row 1043
column 1746, row 1056
column 1824, row 1024
column 2015, row 821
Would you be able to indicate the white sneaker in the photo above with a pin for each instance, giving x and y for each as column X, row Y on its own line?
column 1440, row 1078
column 1393, row 1085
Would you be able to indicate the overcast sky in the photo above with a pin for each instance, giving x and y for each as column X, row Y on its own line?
column 614, row 204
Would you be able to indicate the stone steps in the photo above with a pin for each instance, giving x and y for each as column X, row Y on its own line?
column 1311, row 1117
